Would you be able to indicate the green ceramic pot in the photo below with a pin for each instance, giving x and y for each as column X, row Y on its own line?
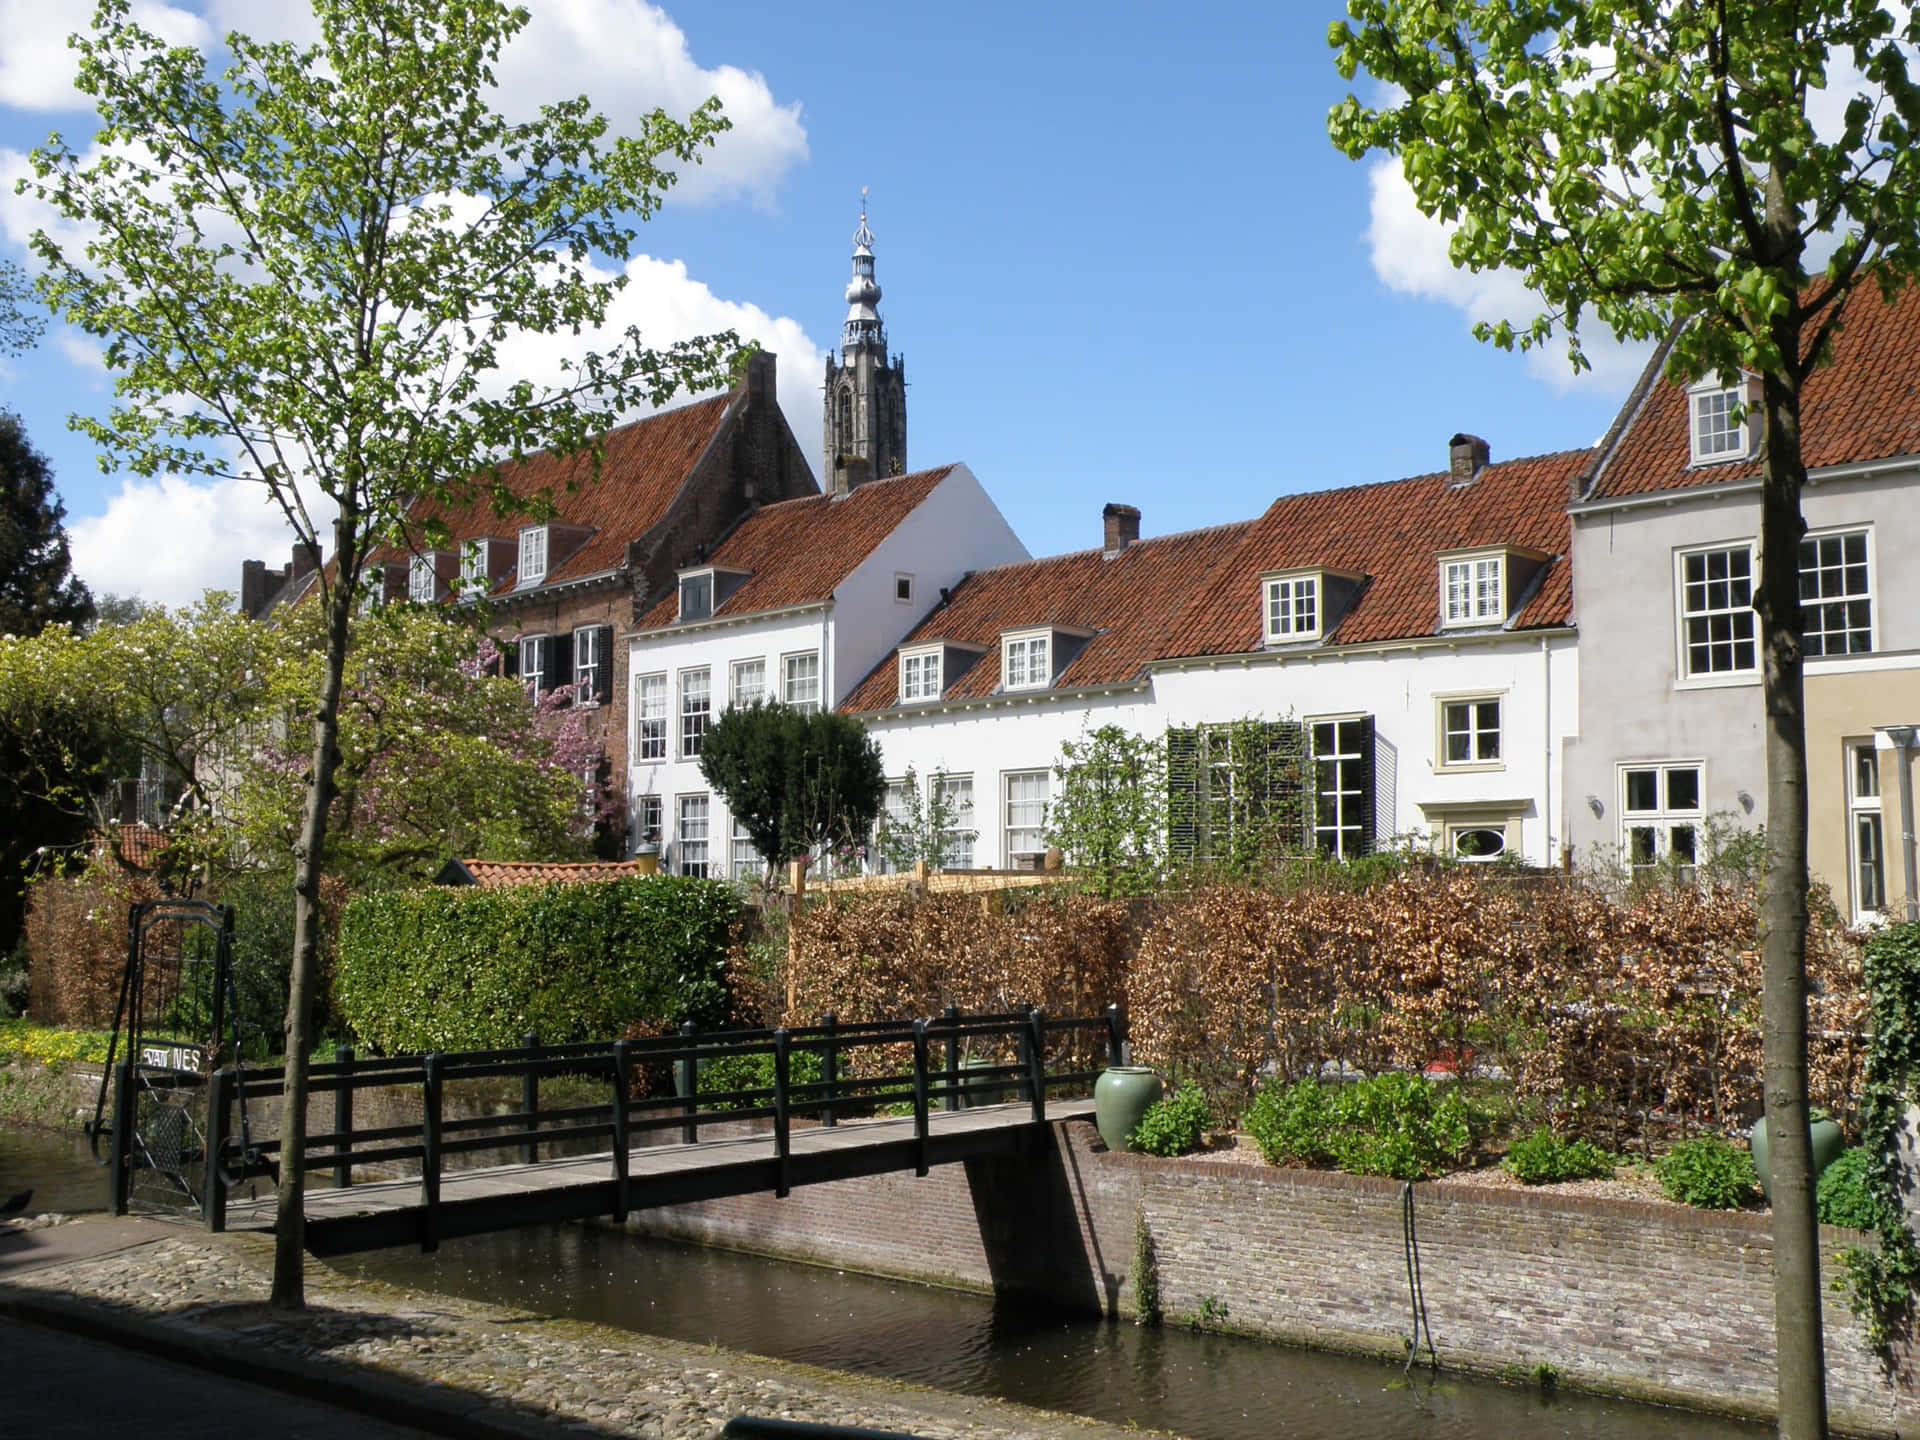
column 1828, row 1142
column 1121, row 1096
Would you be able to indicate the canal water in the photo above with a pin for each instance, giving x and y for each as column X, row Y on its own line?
column 1201, row 1385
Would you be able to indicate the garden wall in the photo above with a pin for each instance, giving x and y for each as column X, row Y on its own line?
column 1631, row 1299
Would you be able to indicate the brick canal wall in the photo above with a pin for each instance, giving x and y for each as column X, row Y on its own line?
column 1630, row 1299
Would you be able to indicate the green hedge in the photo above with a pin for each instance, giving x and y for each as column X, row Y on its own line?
column 470, row 969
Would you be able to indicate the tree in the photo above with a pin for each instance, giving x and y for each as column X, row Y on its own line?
column 20, row 327
column 922, row 830
column 1109, row 811
column 1666, row 170
column 796, row 780
column 306, row 268
column 37, row 586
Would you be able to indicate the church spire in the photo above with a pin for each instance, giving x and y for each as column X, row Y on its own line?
column 866, row 389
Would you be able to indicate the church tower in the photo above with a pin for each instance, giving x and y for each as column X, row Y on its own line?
column 866, row 394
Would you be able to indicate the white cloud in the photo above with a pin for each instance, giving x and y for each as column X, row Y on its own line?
column 81, row 351
column 36, row 65
column 1409, row 253
column 170, row 540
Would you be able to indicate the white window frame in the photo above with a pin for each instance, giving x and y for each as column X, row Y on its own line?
column 680, row 595
column 797, row 688
column 423, row 578
column 1866, row 829
column 1284, row 599
column 649, row 817
column 1473, row 589
column 1845, row 596
column 532, row 566
column 1741, row 625
column 902, row 588
column 1665, row 822
column 737, row 694
column 1455, row 830
column 893, row 814
column 1713, row 437
column 1474, row 730
column 535, row 676
column 650, row 716
column 1035, row 668
column 930, row 665
column 744, row 863
column 693, row 835
column 694, row 719
column 474, row 555
column 1033, row 824
column 586, row 666
column 962, row 832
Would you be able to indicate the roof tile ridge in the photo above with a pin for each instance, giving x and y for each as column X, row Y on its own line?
column 1099, row 550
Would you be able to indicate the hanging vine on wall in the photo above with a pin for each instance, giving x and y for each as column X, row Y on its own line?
column 1881, row 1285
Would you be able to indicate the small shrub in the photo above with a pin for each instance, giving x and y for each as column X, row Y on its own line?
column 1173, row 1125
column 22, row 1039
column 1708, row 1174
column 726, row 1074
column 1395, row 1124
column 1543, row 1158
column 1843, row 1197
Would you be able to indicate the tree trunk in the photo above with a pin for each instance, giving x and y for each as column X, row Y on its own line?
column 1783, row 1011
column 309, row 859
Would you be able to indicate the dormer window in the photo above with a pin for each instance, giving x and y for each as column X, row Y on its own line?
column 920, row 675
column 1026, row 661
column 696, row 596
column 423, row 579
column 533, row 555
column 1473, row 590
column 1293, row 607
column 474, row 579
column 1723, row 421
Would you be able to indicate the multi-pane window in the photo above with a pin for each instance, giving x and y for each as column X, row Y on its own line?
column 1025, row 664
column 1470, row 732
column 1661, row 817
column 1025, row 813
column 920, row 676
column 1836, row 602
column 800, row 680
column 895, row 810
column 1471, row 591
column 647, row 817
column 473, row 568
column 690, row 836
column 590, row 664
column 747, row 682
column 534, row 650
column 1719, row 425
column 696, row 710
column 650, row 717
column 1293, row 608
column 1343, row 790
column 533, row 555
column 1866, row 838
column 1716, row 611
column 743, row 861
column 955, row 794
column 423, row 580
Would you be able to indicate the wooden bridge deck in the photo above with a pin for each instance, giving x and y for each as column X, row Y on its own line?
column 381, row 1213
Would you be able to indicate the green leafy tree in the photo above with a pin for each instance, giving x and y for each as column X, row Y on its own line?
column 305, row 268
column 1109, row 810
column 1666, row 169
column 797, row 781
column 921, row 829
column 21, row 325
column 37, row 584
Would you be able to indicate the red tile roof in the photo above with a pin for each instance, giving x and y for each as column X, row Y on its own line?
column 1863, row 406
column 1127, row 601
column 644, row 464
column 798, row 551
column 501, row 874
column 1390, row 533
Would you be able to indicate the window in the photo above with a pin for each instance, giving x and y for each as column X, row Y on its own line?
column 895, row 811
column 696, row 596
column 696, row 710
column 1236, row 792
column 423, row 580
column 1476, row 844
column 650, row 717
column 955, row 793
column 691, row 836
column 920, row 676
column 533, row 555
column 1471, row 591
column 1836, row 606
column 534, row 650
column 1025, row 814
column 473, row 568
column 1293, row 608
column 1865, row 838
column 1718, row 626
column 800, row 680
column 1720, row 429
column 1469, row 732
column 1343, row 786
column 903, row 588
column 648, row 817
column 748, row 682
column 743, row 861
column 1024, row 663
column 1661, row 815
column 590, row 660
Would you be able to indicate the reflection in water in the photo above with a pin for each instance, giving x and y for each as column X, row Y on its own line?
column 58, row 1167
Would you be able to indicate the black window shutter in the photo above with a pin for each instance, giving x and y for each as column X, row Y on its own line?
column 603, row 663
column 1183, row 793
column 1365, row 766
column 509, row 656
column 559, row 661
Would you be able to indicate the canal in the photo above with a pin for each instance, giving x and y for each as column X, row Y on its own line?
column 1201, row 1385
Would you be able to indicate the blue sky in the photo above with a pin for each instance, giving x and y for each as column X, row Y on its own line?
column 1118, row 252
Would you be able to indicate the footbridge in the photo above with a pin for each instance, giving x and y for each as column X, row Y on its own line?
column 420, row 1148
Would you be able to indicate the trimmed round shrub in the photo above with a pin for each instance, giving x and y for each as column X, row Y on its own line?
column 1843, row 1197
column 1543, row 1158
column 1174, row 1124
column 1398, row 1125
column 1708, row 1174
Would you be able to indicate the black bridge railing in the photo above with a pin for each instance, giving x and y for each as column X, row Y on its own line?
column 957, row 1061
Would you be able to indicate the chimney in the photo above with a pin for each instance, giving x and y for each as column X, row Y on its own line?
column 1122, row 527
column 1467, row 458
column 305, row 562
column 254, row 587
column 850, row 472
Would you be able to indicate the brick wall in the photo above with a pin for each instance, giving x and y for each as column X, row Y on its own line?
column 1624, row 1298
